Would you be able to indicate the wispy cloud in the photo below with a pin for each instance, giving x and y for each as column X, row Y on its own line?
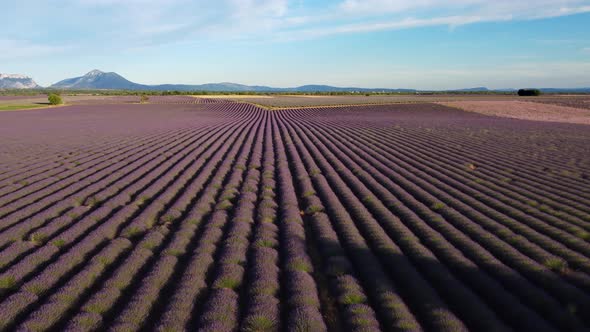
column 13, row 49
column 272, row 18
column 379, row 15
column 404, row 23
column 518, row 9
column 110, row 26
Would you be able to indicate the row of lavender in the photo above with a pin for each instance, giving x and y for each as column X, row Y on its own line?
column 132, row 213
column 499, row 261
column 358, row 218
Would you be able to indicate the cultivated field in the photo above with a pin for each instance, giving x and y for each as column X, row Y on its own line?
column 12, row 103
column 286, row 101
column 526, row 110
column 221, row 216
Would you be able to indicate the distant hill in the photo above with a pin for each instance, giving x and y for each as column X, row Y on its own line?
column 98, row 80
column 478, row 89
column 225, row 86
column 15, row 81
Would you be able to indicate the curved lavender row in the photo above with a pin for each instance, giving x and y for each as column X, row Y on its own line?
column 50, row 226
column 40, row 163
column 377, row 221
column 303, row 305
column 573, row 197
column 96, row 169
column 123, row 190
column 572, row 256
column 100, row 304
column 262, row 287
column 473, row 148
column 66, row 297
column 534, row 229
column 47, row 177
column 391, row 166
column 460, row 154
column 180, row 99
column 551, row 285
column 173, row 100
column 138, row 155
column 422, row 142
column 32, row 172
column 89, row 177
column 458, row 130
column 493, row 291
column 186, row 100
column 527, row 175
column 218, row 114
column 122, row 197
column 215, row 101
column 196, row 180
column 82, row 139
column 528, row 170
column 229, row 272
column 40, row 284
column 20, row 229
column 385, row 135
column 137, row 309
column 536, row 252
column 349, row 294
column 420, row 295
column 502, row 189
column 579, row 245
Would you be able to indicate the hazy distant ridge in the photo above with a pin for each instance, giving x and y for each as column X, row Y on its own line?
column 99, row 80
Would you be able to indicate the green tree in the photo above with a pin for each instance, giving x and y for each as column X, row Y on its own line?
column 54, row 99
column 529, row 92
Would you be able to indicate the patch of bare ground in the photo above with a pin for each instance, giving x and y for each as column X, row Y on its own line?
column 524, row 110
column 570, row 101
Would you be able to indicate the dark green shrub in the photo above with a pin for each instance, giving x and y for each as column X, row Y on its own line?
column 54, row 99
column 529, row 92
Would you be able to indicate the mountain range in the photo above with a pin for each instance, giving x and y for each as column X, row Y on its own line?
column 15, row 81
column 99, row 80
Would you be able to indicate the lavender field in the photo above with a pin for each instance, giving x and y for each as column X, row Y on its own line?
column 211, row 215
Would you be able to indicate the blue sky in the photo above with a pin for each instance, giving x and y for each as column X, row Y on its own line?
column 424, row 44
